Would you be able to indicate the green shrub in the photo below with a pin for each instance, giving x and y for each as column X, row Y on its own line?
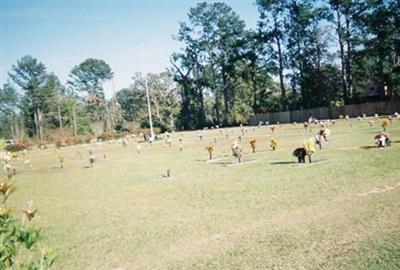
column 2, row 144
column 20, row 240
column 145, row 124
column 120, row 127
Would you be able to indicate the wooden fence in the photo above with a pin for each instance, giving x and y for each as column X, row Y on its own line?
column 354, row 110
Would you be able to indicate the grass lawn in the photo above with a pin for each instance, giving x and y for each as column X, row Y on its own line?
column 340, row 212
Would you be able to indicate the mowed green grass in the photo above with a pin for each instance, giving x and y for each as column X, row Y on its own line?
column 340, row 212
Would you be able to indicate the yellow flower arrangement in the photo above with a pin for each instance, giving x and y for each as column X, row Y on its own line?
column 5, row 187
column 5, row 211
column 309, row 145
column 274, row 144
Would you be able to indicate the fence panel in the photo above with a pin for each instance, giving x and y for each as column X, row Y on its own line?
column 353, row 110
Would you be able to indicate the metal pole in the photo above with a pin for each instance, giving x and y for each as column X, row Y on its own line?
column 148, row 98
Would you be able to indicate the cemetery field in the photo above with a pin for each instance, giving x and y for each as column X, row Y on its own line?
column 340, row 212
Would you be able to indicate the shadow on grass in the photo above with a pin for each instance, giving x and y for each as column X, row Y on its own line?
column 314, row 162
column 367, row 147
column 299, row 164
column 234, row 163
column 282, row 162
column 202, row 160
column 214, row 160
column 223, row 162
column 260, row 151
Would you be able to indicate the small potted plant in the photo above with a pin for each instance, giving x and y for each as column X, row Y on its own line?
column 210, row 150
column 385, row 123
column 92, row 158
column 237, row 151
column 253, row 145
column 61, row 159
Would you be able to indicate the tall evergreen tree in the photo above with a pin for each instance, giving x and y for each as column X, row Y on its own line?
column 8, row 111
column 214, row 42
column 88, row 77
column 30, row 75
column 272, row 27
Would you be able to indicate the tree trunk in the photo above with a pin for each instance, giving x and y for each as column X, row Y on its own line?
column 216, row 105
column 37, row 121
column 254, row 83
column 107, row 118
column 226, row 97
column 342, row 55
column 203, row 110
column 22, row 128
column 74, row 120
column 304, row 97
column 201, row 96
column 185, row 102
column 381, row 90
column 186, row 111
column 281, row 83
column 60, row 124
column 172, row 122
column 16, row 128
column 155, row 102
column 13, row 135
column 349, row 55
column 40, row 127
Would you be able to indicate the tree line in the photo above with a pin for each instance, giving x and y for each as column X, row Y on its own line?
column 301, row 54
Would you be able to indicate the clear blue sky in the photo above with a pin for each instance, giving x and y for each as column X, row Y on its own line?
column 62, row 33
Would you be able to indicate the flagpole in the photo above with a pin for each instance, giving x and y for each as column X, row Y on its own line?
column 147, row 96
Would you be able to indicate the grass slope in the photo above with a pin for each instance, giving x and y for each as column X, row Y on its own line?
column 271, row 213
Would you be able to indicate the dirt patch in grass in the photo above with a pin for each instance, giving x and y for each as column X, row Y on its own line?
column 379, row 190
